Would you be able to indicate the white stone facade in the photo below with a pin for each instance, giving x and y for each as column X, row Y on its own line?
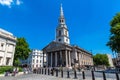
column 110, row 60
column 35, row 59
column 7, row 48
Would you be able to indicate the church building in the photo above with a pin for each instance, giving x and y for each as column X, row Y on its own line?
column 61, row 53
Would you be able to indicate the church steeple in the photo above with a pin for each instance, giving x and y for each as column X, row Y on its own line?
column 62, row 34
column 61, row 18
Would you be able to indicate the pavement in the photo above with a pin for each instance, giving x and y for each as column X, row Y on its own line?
column 34, row 77
column 98, row 76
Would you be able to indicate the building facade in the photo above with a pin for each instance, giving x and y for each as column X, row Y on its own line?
column 35, row 59
column 61, row 53
column 110, row 60
column 7, row 48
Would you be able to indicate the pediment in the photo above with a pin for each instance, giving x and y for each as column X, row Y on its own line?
column 54, row 46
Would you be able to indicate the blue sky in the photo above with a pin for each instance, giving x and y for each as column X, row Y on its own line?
column 36, row 20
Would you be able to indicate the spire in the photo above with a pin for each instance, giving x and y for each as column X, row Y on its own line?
column 61, row 18
column 61, row 11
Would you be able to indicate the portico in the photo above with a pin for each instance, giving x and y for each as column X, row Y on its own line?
column 58, row 56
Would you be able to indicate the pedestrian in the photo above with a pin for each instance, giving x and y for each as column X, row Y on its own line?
column 13, row 73
column 6, row 73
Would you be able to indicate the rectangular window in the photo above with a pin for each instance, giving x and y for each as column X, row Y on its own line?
column 2, row 44
column 36, row 61
column 7, row 61
column 37, row 66
column 33, row 60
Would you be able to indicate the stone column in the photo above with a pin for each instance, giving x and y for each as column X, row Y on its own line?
column 66, row 58
column 47, row 59
column 51, row 59
column 69, row 59
column 76, row 57
column 60, row 58
column 56, row 59
column 79, row 59
column 43, row 59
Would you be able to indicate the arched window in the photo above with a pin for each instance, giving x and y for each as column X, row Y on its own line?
column 59, row 33
column 61, row 20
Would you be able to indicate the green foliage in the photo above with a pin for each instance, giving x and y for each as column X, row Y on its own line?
column 16, row 62
column 101, row 59
column 114, row 41
column 20, row 69
column 21, row 51
column 5, row 68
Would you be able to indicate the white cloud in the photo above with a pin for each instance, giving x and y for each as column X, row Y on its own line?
column 18, row 2
column 9, row 3
column 6, row 2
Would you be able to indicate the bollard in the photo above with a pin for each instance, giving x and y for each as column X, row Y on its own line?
column 45, row 71
column 36, row 72
column 83, row 73
column 42, row 70
column 56, row 72
column 75, row 74
column 104, row 77
column 52, row 72
column 93, row 76
column 62, row 73
column 68, row 75
column 48, row 71
column 117, row 76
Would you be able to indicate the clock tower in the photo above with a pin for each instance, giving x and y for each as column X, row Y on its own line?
column 62, row 34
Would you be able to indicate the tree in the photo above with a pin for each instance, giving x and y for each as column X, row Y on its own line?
column 114, row 40
column 21, row 51
column 101, row 59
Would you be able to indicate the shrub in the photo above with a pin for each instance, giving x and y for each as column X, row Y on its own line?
column 20, row 69
column 5, row 68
